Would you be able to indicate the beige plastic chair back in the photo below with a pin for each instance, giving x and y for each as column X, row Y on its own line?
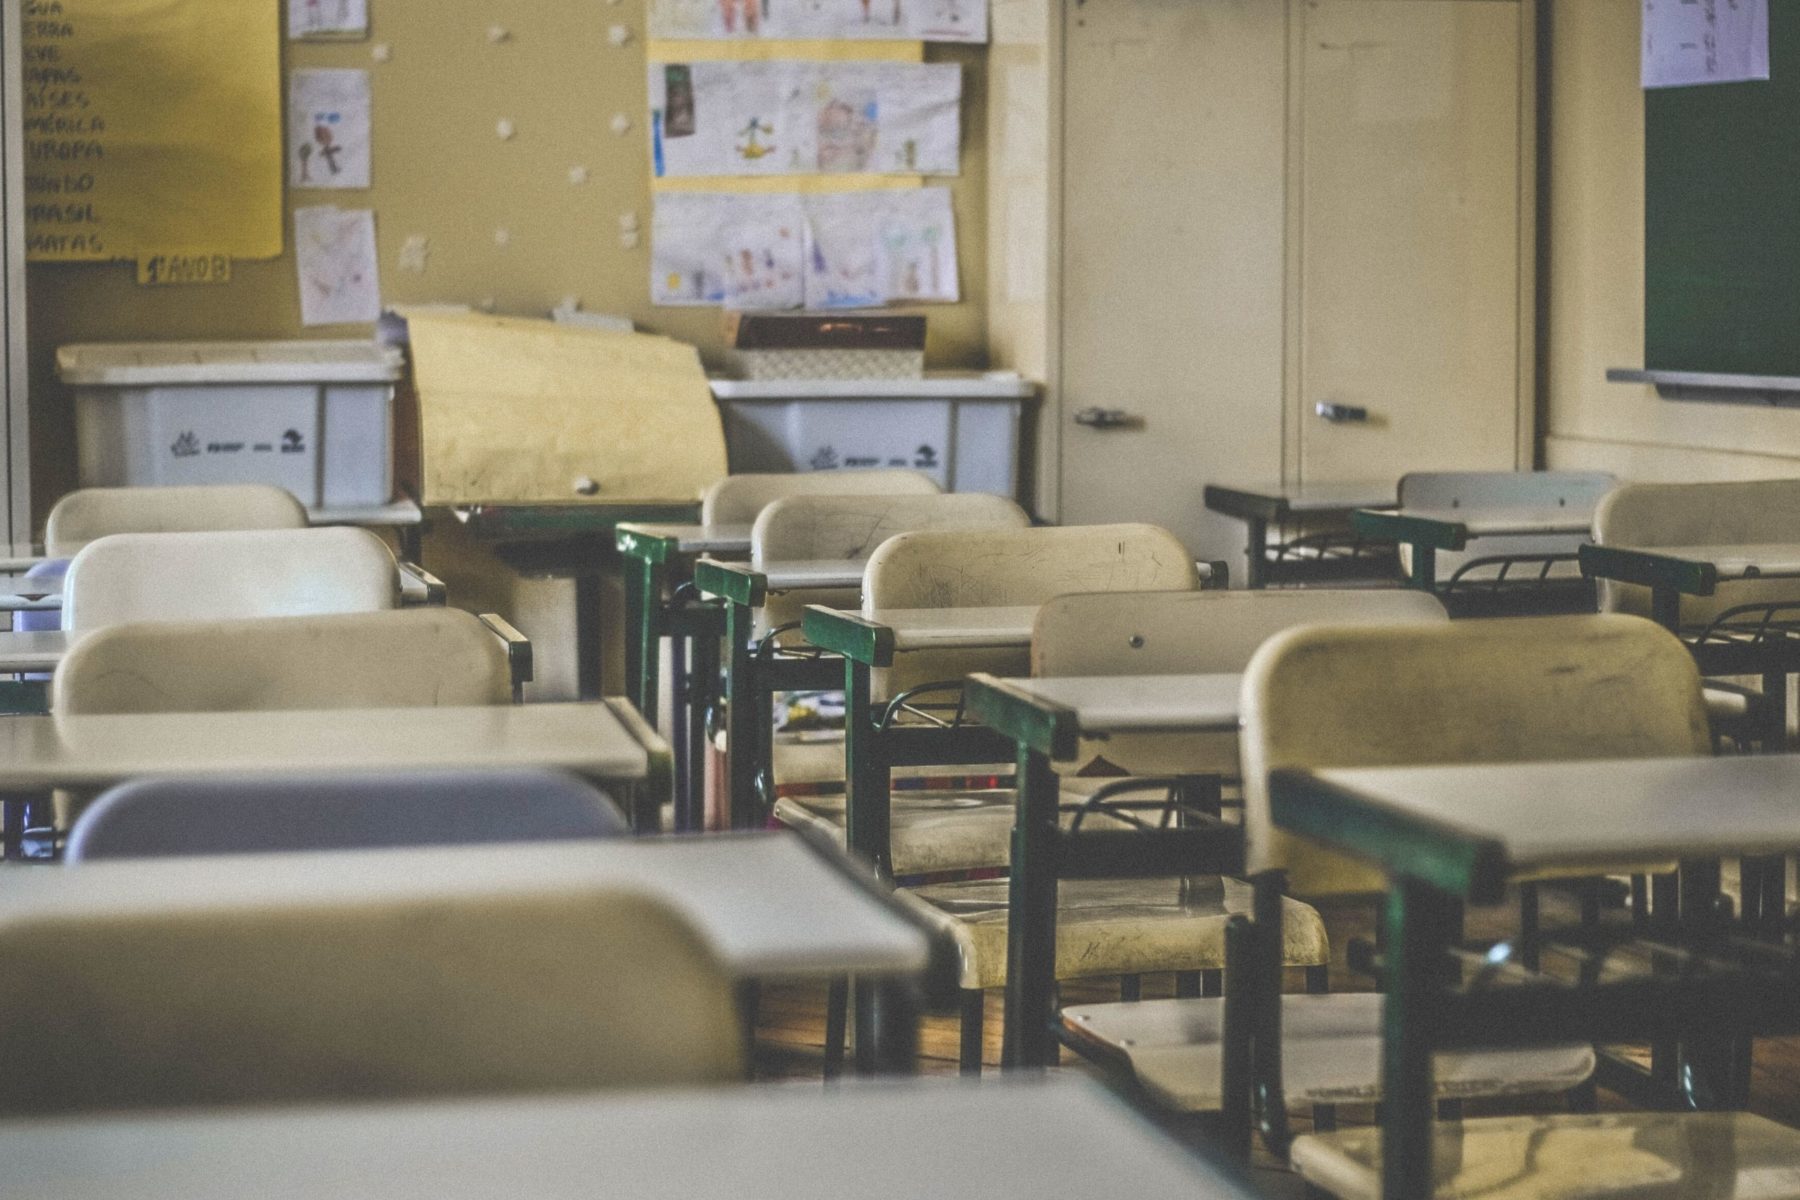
column 1532, row 689
column 1200, row 633
column 817, row 528
column 82, row 516
column 1193, row 633
column 407, row 658
column 454, row 994
column 1699, row 514
column 740, row 499
column 228, row 576
column 1005, row 568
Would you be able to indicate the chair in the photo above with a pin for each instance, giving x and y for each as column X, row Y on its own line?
column 1647, row 515
column 227, row 576
column 294, row 978
column 1130, row 927
column 398, row 659
column 154, row 818
column 1491, row 563
column 91, row 513
column 740, row 499
column 1518, row 690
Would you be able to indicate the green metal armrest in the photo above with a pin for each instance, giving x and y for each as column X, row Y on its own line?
column 856, row 638
column 1648, row 569
column 1415, row 531
column 735, row 582
column 1049, row 729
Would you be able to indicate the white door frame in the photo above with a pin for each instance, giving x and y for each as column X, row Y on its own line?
column 15, row 429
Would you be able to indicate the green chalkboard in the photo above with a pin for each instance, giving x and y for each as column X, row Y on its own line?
column 1722, row 218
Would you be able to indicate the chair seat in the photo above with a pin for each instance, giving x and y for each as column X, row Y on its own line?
column 1330, row 1052
column 1576, row 1157
column 1113, row 926
column 931, row 831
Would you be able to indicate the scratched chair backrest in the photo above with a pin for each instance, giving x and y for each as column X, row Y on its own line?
column 1012, row 568
column 228, row 576
column 1194, row 633
column 1700, row 514
column 850, row 528
column 403, row 658
column 82, row 516
column 740, row 499
column 1522, row 689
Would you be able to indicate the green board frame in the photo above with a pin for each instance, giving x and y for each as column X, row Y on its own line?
column 1722, row 218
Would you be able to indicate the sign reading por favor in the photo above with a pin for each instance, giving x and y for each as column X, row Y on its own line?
column 152, row 128
column 804, row 118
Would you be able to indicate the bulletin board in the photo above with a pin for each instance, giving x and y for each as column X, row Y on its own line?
column 153, row 132
column 1722, row 218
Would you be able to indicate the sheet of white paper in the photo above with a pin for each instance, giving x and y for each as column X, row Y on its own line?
column 864, row 20
column 328, row 129
column 868, row 248
column 335, row 249
column 842, row 250
column 327, row 19
column 1705, row 41
column 741, row 251
column 803, row 118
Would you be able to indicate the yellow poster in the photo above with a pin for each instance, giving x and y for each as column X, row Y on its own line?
column 152, row 128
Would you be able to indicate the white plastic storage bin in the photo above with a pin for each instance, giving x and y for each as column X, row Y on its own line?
column 313, row 417
column 961, row 429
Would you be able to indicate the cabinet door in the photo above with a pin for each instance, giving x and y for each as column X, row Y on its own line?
column 1173, row 154
column 1409, row 232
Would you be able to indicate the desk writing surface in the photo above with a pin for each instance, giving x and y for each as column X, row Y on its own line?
column 957, row 628
column 1771, row 559
column 1308, row 497
column 1142, row 703
column 801, row 574
column 1632, row 810
column 699, row 539
column 767, row 904
column 1015, row 1139
column 1506, row 522
column 97, row 750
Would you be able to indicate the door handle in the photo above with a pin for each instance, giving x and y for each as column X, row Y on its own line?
column 1341, row 414
column 1104, row 418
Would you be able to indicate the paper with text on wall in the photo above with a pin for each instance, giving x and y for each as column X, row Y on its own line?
column 152, row 127
column 1705, row 41
column 521, row 411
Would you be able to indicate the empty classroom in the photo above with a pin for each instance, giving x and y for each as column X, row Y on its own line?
column 898, row 598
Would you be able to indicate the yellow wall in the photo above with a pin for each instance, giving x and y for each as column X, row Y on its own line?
column 1597, row 281
column 441, row 171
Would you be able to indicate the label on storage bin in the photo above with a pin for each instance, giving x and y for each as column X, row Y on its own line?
column 202, row 267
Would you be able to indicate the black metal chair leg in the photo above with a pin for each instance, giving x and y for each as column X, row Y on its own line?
column 1131, row 987
column 1187, row 985
column 1212, row 984
column 974, row 1013
column 837, row 1023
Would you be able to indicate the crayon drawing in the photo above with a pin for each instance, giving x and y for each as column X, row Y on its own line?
column 328, row 129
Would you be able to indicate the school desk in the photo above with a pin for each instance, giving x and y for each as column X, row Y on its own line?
column 1314, row 556
column 577, row 542
column 1047, row 720
column 1449, row 834
column 878, row 1140
column 604, row 741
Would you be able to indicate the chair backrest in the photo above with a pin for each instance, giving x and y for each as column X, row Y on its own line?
column 1001, row 568
column 740, row 499
column 407, row 658
column 1699, row 514
column 1200, row 633
column 1504, row 489
column 1531, row 689
column 851, row 527
column 90, row 513
column 235, row 1000
column 228, row 576
column 157, row 818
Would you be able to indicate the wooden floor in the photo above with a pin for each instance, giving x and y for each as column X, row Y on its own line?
column 791, row 1033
